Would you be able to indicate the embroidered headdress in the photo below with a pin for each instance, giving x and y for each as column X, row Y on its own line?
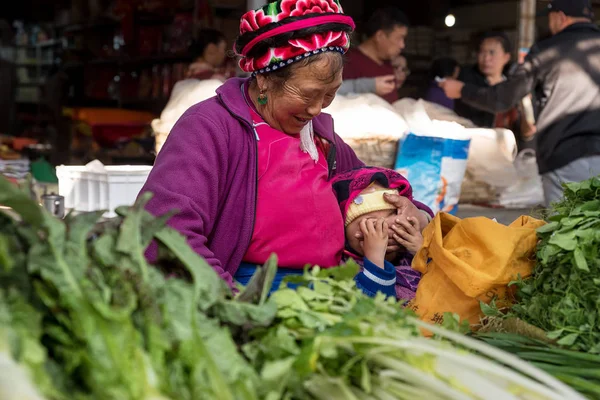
column 291, row 21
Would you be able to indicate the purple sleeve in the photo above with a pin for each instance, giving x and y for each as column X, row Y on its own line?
column 435, row 94
column 186, row 177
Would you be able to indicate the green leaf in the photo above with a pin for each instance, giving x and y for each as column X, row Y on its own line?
column 580, row 261
column 489, row 310
column 289, row 298
column 566, row 241
column 555, row 334
column 344, row 272
column 208, row 286
column 28, row 209
column 551, row 227
column 261, row 283
column 568, row 340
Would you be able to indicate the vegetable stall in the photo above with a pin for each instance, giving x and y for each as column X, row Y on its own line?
column 84, row 316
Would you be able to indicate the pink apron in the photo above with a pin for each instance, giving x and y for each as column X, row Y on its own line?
column 297, row 214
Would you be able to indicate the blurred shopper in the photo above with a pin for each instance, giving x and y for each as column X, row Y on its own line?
column 401, row 70
column 493, row 57
column 386, row 31
column 209, row 52
column 493, row 63
column 380, row 85
column 564, row 73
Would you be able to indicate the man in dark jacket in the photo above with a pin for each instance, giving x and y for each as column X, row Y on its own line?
column 564, row 74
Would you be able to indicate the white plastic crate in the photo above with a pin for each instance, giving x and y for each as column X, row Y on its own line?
column 86, row 190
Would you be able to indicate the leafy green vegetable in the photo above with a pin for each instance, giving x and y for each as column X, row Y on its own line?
column 84, row 316
column 563, row 294
column 112, row 326
column 329, row 341
column 579, row 370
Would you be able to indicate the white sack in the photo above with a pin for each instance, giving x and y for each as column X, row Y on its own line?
column 185, row 94
column 365, row 116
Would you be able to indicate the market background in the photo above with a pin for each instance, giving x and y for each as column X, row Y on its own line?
column 86, row 80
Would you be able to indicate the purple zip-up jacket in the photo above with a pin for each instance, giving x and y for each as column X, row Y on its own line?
column 207, row 170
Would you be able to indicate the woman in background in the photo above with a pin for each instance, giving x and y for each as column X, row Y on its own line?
column 492, row 58
column 208, row 50
column 491, row 69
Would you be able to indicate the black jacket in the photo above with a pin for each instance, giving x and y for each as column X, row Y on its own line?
column 472, row 76
column 564, row 74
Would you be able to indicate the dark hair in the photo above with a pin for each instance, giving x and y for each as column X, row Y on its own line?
column 385, row 19
column 443, row 67
column 500, row 37
column 205, row 38
column 280, row 40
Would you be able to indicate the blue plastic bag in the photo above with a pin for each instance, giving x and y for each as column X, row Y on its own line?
column 435, row 168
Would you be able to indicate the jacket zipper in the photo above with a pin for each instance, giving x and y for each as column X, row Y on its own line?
column 255, row 169
column 331, row 160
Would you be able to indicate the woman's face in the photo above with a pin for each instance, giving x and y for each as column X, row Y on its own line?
column 492, row 58
column 295, row 102
column 215, row 53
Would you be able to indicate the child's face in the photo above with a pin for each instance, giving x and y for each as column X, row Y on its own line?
column 354, row 227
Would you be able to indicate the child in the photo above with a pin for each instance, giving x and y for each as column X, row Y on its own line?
column 360, row 193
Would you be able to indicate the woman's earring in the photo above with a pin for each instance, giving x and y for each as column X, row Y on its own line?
column 262, row 98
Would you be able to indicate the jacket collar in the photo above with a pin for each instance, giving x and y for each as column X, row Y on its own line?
column 580, row 26
column 230, row 94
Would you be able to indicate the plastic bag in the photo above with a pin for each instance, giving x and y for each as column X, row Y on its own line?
column 467, row 261
column 491, row 157
column 433, row 157
column 528, row 190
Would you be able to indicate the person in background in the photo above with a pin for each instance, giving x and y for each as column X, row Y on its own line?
column 401, row 70
column 493, row 61
column 386, row 31
column 493, row 57
column 442, row 68
column 208, row 50
column 562, row 73
column 380, row 85
column 250, row 169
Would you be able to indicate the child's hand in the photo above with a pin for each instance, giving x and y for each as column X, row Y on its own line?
column 408, row 234
column 375, row 233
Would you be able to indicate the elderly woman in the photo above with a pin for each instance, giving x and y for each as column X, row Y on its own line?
column 250, row 169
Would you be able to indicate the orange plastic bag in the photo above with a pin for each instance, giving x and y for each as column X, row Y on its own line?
column 467, row 261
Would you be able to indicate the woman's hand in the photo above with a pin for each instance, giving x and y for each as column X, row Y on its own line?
column 408, row 234
column 452, row 88
column 375, row 240
column 385, row 84
column 406, row 209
